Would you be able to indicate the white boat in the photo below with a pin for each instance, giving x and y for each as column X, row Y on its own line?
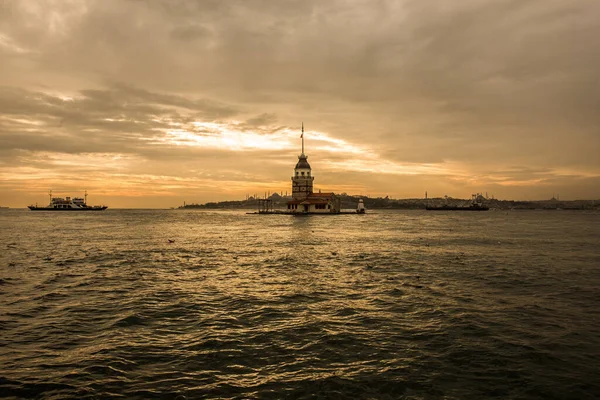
column 67, row 204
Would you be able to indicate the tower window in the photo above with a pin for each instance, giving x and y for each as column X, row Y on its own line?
column 296, row 173
column 302, row 173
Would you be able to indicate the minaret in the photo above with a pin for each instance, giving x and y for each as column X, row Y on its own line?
column 302, row 181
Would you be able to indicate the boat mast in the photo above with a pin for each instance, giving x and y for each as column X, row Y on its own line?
column 86, row 197
column 50, row 195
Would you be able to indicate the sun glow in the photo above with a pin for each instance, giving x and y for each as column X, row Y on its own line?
column 226, row 139
column 375, row 165
column 22, row 121
column 232, row 136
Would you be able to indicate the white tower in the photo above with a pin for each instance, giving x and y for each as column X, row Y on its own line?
column 302, row 181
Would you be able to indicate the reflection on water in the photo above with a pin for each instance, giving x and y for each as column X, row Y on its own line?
column 396, row 304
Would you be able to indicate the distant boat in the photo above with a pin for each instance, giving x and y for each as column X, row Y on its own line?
column 475, row 205
column 67, row 204
column 3, row 207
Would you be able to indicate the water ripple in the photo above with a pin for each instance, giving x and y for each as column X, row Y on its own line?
column 390, row 305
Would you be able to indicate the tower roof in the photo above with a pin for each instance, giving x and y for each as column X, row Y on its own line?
column 302, row 162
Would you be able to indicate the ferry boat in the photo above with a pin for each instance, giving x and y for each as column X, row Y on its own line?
column 67, row 204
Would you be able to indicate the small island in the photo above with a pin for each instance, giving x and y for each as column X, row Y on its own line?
column 347, row 201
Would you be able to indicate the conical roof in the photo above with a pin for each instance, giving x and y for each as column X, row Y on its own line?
column 302, row 162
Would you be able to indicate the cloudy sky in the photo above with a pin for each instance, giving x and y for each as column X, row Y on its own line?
column 149, row 103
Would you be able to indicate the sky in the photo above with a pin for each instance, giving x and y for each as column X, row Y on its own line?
column 150, row 103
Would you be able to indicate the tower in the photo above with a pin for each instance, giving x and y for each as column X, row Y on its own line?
column 302, row 181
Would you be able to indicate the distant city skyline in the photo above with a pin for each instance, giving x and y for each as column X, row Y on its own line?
column 150, row 104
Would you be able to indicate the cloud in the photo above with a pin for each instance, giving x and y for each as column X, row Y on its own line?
column 465, row 89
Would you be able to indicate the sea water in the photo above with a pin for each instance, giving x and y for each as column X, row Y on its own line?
column 190, row 304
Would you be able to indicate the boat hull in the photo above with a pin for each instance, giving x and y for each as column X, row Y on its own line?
column 33, row 208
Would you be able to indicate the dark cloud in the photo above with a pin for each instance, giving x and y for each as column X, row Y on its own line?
column 262, row 120
column 120, row 119
column 190, row 32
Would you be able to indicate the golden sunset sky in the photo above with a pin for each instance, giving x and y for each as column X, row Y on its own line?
column 152, row 103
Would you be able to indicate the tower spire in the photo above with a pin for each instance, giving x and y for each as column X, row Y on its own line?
column 302, row 136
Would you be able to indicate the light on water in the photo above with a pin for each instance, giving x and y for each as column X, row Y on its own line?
column 392, row 304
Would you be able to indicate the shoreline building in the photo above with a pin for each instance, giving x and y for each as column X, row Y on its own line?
column 303, row 198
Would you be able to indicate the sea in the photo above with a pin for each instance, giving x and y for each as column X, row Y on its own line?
column 196, row 304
